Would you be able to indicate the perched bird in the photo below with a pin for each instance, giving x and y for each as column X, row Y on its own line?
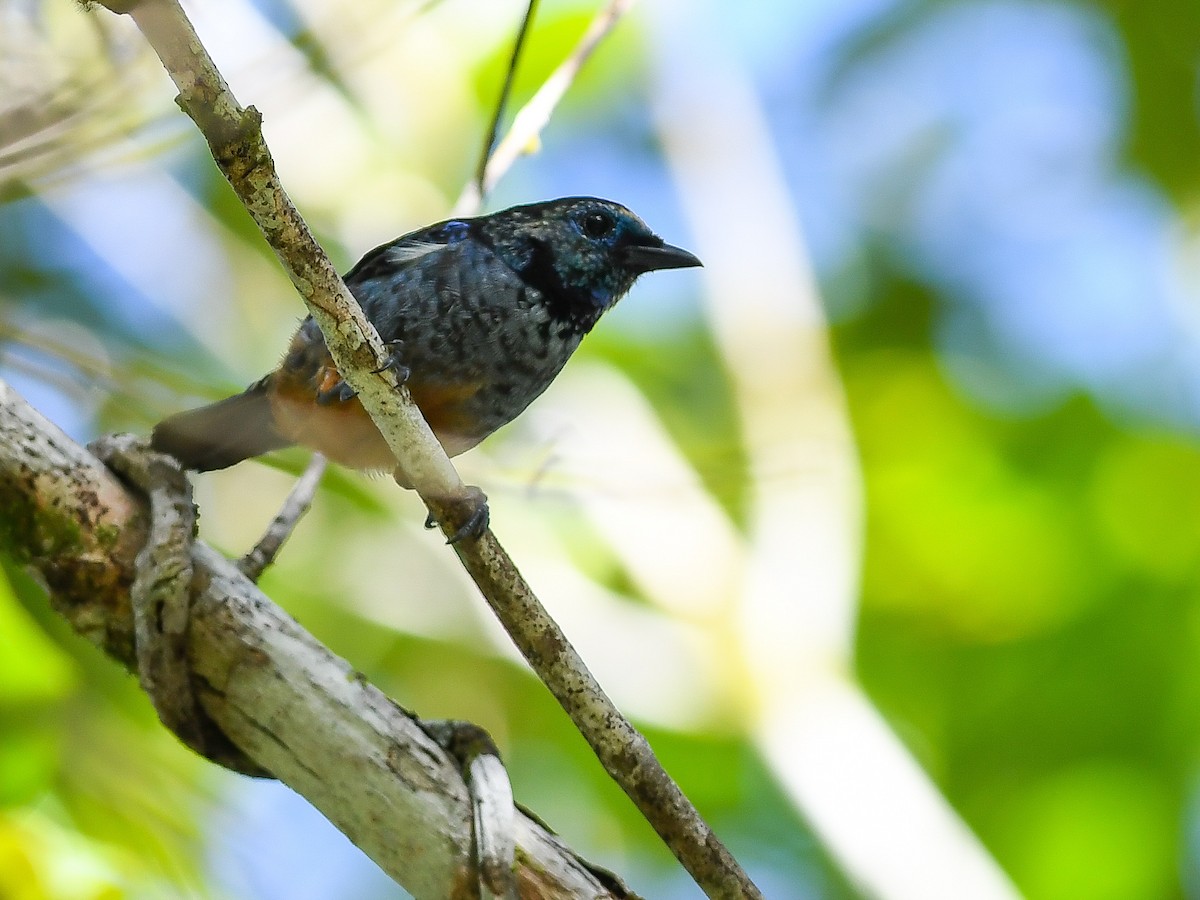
column 480, row 315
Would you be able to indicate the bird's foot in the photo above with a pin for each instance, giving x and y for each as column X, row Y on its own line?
column 393, row 361
column 470, row 512
column 341, row 392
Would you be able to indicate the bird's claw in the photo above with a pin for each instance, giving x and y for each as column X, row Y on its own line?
column 339, row 393
column 393, row 362
column 477, row 516
column 476, row 524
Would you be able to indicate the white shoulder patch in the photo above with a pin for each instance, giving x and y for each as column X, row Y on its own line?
column 409, row 251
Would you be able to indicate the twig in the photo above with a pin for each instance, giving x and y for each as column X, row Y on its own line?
column 489, row 140
column 281, row 697
column 534, row 115
column 236, row 141
column 294, row 507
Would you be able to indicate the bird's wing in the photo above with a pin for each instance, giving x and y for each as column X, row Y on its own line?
column 384, row 259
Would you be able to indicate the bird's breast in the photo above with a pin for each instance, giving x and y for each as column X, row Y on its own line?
column 476, row 360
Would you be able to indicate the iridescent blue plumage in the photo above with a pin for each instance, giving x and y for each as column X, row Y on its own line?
column 484, row 313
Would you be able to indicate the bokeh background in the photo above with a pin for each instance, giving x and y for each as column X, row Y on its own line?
column 885, row 526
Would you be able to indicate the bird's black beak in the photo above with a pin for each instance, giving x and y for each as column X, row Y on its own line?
column 646, row 258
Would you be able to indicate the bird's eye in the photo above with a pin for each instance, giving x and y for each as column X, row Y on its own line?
column 598, row 224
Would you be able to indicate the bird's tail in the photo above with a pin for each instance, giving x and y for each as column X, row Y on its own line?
column 223, row 433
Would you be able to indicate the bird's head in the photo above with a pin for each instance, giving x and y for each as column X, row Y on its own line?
column 582, row 253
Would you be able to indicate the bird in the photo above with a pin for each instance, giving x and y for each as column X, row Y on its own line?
column 479, row 315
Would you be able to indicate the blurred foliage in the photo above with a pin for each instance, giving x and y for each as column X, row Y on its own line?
column 95, row 800
column 1029, row 621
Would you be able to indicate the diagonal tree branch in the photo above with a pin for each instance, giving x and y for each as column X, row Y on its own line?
column 281, row 697
column 235, row 138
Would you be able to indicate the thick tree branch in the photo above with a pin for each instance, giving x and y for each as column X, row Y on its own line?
column 236, row 141
column 282, row 698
